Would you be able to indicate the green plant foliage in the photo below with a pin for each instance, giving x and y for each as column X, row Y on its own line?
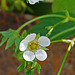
column 3, row 41
column 13, row 49
column 24, row 34
column 21, row 67
column 61, row 31
column 41, row 8
column 17, row 42
column 61, row 5
column 20, row 56
column 11, row 36
column 29, row 72
column 10, row 42
column 4, row 6
column 38, row 68
column 11, row 1
column 17, row 5
column 44, row 48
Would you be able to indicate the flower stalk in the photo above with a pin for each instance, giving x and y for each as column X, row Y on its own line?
column 68, row 50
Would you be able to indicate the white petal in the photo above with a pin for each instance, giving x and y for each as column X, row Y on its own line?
column 33, row 1
column 28, row 56
column 41, row 0
column 30, row 37
column 44, row 41
column 41, row 55
column 23, row 45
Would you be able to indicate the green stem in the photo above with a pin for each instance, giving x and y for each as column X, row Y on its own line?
column 4, row 6
column 44, row 16
column 63, row 21
column 56, row 41
column 64, row 59
column 72, row 19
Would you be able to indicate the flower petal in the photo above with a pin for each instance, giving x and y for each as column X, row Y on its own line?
column 41, row 55
column 28, row 56
column 30, row 37
column 23, row 45
column 33, row 1
column 44, row 41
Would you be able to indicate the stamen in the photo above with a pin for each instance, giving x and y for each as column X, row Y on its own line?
column 33, row 46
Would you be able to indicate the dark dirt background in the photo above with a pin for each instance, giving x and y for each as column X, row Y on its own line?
column 56, row 52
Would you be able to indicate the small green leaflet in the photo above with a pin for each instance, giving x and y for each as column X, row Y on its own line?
column 24, row 34
column 3, row 41
column 21, row 67
column 29, row 72
column 38, row 68
column 10, row 42
column 17, row 42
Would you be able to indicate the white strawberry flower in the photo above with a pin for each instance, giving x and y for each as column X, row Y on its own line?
column 33, row 1
column 32, row 47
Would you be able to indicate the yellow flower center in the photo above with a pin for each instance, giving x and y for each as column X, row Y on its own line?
column 33, row 46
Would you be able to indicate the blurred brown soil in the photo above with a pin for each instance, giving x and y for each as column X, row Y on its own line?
column 56, row 52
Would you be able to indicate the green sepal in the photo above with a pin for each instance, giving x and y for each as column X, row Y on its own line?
column 24, row 34
column 20, row 56
column 29, row 72
column 44, row 48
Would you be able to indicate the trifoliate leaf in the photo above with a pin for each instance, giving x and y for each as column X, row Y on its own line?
column 10, row 33
column 7, row 33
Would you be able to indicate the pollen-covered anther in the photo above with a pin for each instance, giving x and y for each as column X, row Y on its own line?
column 33, row 46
